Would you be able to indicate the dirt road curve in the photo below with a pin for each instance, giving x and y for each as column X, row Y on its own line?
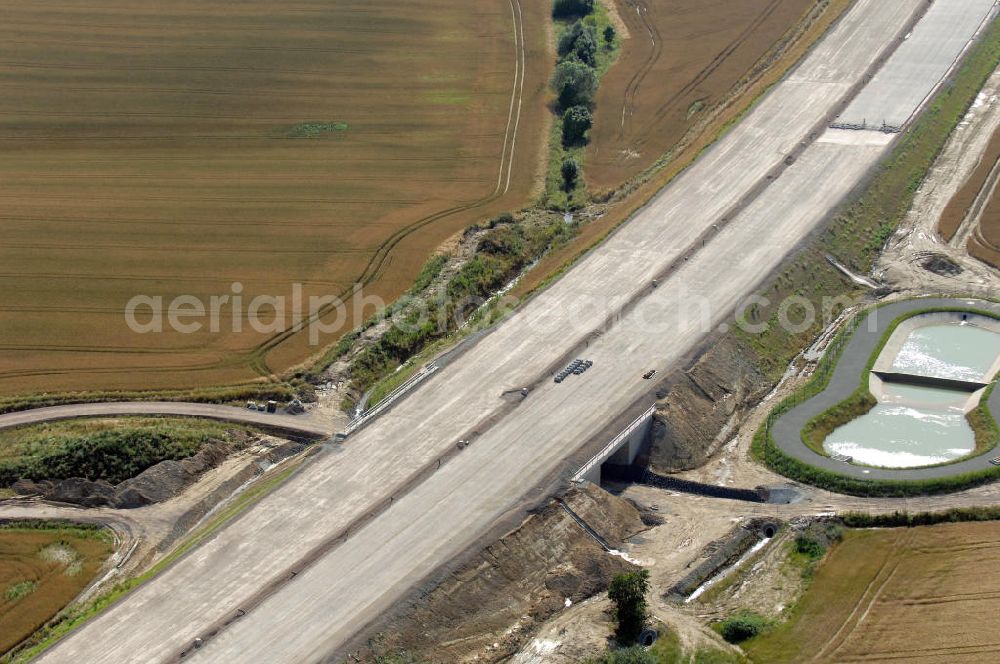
column 293, row 425
column 296, row 578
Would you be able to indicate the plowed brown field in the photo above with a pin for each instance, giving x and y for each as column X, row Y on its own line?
column 41, row 571
column 919, row 595
column 169, row 148
column 681, row 59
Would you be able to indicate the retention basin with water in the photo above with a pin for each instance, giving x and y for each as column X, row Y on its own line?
column 934, row 369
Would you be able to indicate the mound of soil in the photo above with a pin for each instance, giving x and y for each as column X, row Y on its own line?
column 941, row 264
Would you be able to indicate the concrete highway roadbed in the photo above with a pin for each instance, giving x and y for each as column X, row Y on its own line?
column 298, row 576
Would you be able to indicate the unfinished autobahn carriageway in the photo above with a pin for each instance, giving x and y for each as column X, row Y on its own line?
column 302, row 573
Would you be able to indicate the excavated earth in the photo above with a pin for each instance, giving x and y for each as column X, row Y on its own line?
column 486, row 608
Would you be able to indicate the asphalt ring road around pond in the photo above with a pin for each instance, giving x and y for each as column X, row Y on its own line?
column 866, row 339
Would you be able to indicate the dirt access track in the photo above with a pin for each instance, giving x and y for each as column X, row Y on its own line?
column 302, row 573
column 175, row 150
column 295, row 426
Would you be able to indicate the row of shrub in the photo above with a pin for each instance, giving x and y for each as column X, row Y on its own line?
column 904, row 519
column 505, row 249
column 583, row 43
column 742, row 626
column 113, row 454
column 282, row 392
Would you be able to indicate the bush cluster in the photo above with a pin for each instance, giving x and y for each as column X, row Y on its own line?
column 577, row 121
column 742, row 626
column 113, row 454
column 810, row 547
column 506, row 248
column 579, row 43
column 572, row 8
column 574, row 83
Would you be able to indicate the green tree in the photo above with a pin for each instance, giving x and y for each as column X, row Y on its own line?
column 628, row 592
column 580, row 41
column 609, row 35
column 577, row 121
column 572, row 8
column 570, row 174
column 574, row 83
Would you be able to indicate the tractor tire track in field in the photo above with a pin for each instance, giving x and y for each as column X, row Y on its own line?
column 256, row 358
column 380, row 260
column 945, row 654
column 868, row 599
column 632, row 89
column 713, row 66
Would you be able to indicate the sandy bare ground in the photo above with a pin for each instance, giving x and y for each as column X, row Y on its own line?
column 917, row 238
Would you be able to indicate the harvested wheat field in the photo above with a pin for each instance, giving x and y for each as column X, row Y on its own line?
column 169, row 149
column 985, row 241
column 919, row 595
column 41, row 571
column 681, row 58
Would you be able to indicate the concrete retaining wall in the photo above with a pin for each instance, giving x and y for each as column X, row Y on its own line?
column 727, row 552
column 618, row 473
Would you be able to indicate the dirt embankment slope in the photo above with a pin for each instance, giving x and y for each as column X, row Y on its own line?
column 703, row 406
column 487, row 608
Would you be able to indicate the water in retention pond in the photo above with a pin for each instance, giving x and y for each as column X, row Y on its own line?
column 922, row 426
column 962, row 352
